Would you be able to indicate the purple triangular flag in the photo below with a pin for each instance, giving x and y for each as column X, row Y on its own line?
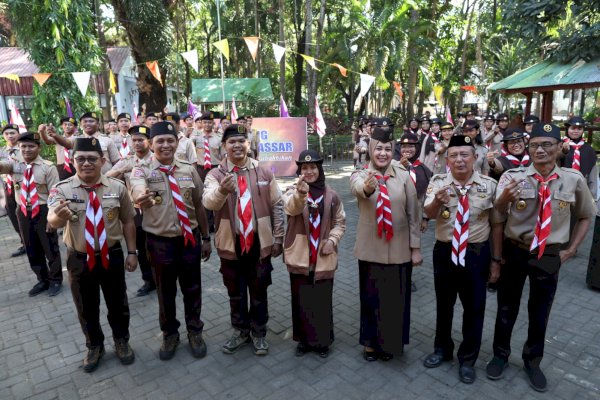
column 283, row 110
column 69, row 111
column 192, row 109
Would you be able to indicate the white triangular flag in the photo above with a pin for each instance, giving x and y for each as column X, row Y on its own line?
column 365, row 83
column 192, row 58
column 278, row 51
column 319, row 121
column 82, row 79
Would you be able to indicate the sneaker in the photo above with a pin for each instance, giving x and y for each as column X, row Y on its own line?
column 168, row 347
column 197, row 344
column 537, row 379
column 38, row 288
column 92, row 358
column 146, row 288
column 20, row 251
column 237, row 340
column 261, row 346
column 495, row 368
column 54, row 289
column 124, row 352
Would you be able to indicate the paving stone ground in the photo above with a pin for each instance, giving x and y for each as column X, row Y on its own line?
column 42, row 347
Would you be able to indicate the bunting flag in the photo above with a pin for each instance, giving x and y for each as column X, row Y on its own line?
column 153, row 67
column 192, row 58
column 320, row 126
column 366, row 81
column 252, row 43
column 310, row 60
column 69, row 110
column 15, row 118
column 234, row 114
column 398, row 87
column 437, row 92
column 41, row 78
column 113, row 82
column 449, row 116
column 343, row 70
column 283, row 110
column 12, row 77
column 470, row 88
column 192, row 109
column 223, row 46
column 278, row 51
column 82, row 79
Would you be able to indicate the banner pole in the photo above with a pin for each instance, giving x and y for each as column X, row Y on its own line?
column 221, row 54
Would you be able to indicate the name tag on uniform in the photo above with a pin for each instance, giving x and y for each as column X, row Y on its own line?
column 75, row 200
column 110, row 196
column 263, row 183
column 185, row 178
column 482, row 188
column 155, row 180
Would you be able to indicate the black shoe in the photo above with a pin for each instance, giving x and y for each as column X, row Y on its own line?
column 413, row 287
column 124, row 352
column 146, row 289
column 495, row 368
column 20, row 251
column 323, row 352
column 92, row 358
column 434, row 360
column 370, row 355
column 537, row 380
column 38, row 288
column 383, row 356
column 197, row 344
column 168, row 347
column 466, row 374
column 302, row 349
column 54, row 289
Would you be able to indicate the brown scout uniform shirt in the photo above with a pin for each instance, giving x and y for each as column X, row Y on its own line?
column 126, row 165
column 116, row 208
column 109, row 150
column 10, row 153
column 481, row 201
column 569, row 194
column 161, row 219
column 45, row 176
column 186, row 150
column 214, row 144
column 117, row 138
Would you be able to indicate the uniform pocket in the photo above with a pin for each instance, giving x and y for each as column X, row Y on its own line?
column 562, row 202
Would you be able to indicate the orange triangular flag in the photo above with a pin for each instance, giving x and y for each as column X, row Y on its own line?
column 41, row 78
column 252, row 43
column 343, row 70
column 153, row 67
column 398, row 88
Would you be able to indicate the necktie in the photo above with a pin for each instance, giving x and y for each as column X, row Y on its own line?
column 94, row 225
column 244, row 211
column 314, row 219
column 29, row 193
column 182, row 214
column 411, row 171
column 516, row 162
column 543, row 225
column 67, row 157
column 124, row 150
column 460, row 236
column 576, row 155
column 207, row 159
column 383, row 211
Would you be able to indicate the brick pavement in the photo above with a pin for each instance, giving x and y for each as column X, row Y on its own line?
column 42, row 347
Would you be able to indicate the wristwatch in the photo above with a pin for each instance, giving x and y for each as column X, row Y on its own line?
column 497, row 259
column 132, row 253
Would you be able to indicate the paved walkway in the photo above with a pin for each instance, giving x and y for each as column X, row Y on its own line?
column 42, row 347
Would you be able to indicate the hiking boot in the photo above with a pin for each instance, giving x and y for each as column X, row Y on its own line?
column 261, row 346
column 495, row 368
column 92, row 358
column 124, row 352
column 237, row 340
column 197, row 344
column 168, row 347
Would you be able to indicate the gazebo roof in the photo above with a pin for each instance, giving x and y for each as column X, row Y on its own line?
column 209, row 90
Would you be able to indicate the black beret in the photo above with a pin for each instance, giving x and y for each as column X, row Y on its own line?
column 225, row 117
column 447, row 125
column 545, row 130
column 471, row 124
column 234, row 130
column 470, row 112
column 206, row 116
column 413, row 119
column 512, row 134
column 383, row 121
column 489, row 117
column 531, row 119
column 309, row 156
column 163, row 128
column 68, row 119
column 124, row 116
column 185, row 116
column 382, row 135
column 501, row 117
column 139, row 130
column 242, row 118
column 89, row 114
column 33, row 137
column 173, row 117
column 436, row 121
column 362, row 120
column 10, row 126
column 425, row 118
column 460, row 140
column 575, row 121
column 111, row 120
column 152, row 114
column 87, row 144
column 409, row 138
column 460, row 114
column 248, row 117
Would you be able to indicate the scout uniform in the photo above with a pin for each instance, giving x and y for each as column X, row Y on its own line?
column 568, row 195
column 186, row 151
column 581, row 156
column 461, row 265
column 212, row 158
column 491, row 139
column 122, row 140
column 441, row 166
column 109, row 150
column 481, row 165
column 173, row 242
column 429, row 145
column 510, row 161
column 528, row 123
column 253, row 138
column 32, row 181
column 8, row 153
column 64, row 156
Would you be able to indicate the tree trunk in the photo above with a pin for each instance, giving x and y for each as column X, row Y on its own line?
column 317, row 50
column 421, row 102
column 309, row 51
column 463, row 64
column 412, row 67
column 299, row 72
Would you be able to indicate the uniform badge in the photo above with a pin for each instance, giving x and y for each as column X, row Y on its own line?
column 521, row 205
column 93, row 142
column 158, row 200
column 446, row 214
column 111, row 214
column 467, row 139
column 74, row 218
column 429, row 189
column 307, row 158
column 17, row 186
column 188, row 194
column 562, row 204
column 548, row 128
column 482, row 196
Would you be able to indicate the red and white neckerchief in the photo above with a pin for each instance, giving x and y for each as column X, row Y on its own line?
column 29, row 194
column 543, row 225
column 576, row 155
column 314, row 219
column 124, row 150
column 182, row 215
column 67, row 157
column 207, row 159
column 94, row 225
column 516, row 162
column 460, row 235
column 9, row 178
column 244, row 212
column 411, row 171
column 383, row 211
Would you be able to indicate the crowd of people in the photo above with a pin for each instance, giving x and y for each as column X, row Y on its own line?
column 507, row 204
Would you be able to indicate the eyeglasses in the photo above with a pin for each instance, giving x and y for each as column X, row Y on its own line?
column 90, row 159
column 543, row 145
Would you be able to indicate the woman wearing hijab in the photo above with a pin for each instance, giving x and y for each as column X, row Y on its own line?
column 388, row 244
column 316, row 223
